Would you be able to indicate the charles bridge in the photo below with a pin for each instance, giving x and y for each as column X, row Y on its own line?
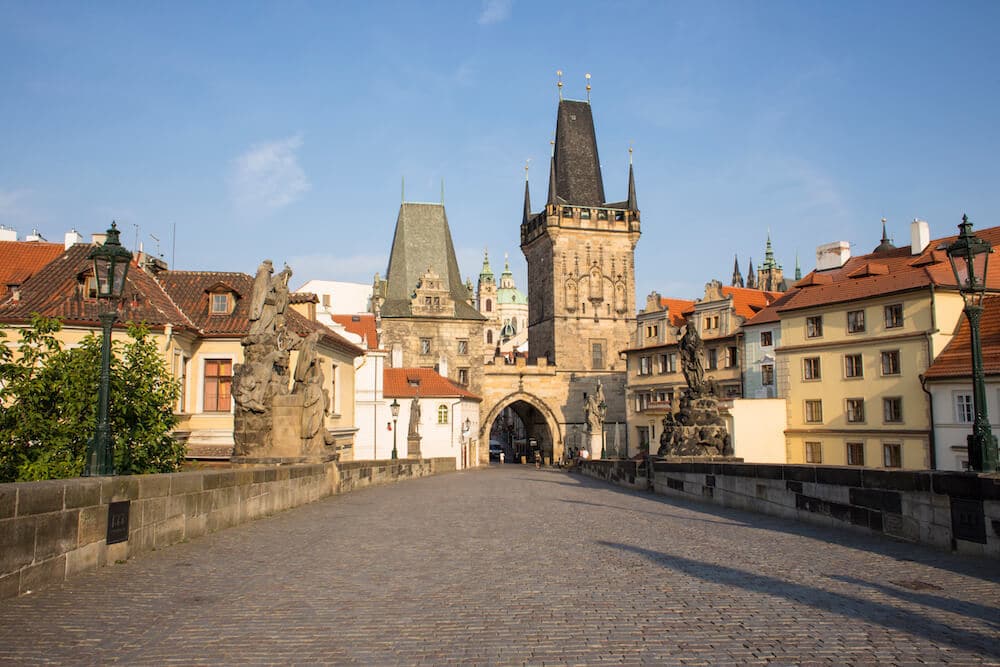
column 507, row 565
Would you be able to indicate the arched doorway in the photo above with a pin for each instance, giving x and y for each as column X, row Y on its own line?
column 523, row 425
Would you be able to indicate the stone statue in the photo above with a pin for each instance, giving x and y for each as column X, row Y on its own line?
column 596, row 410
column 309, row 382
column 414, row 417
column 269, row 300
column 691, row 365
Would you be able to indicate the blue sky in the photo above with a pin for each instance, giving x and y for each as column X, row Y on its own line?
column 282, row 130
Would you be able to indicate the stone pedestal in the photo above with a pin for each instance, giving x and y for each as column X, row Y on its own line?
column 413, row 447
column 696, row 430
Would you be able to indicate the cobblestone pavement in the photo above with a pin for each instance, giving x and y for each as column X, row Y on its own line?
column 512, row 565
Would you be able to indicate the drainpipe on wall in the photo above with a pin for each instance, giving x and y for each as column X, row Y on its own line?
column 930, row 404
column 932, row 440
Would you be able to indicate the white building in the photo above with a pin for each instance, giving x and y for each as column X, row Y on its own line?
column 339, row 297
column 448, row 419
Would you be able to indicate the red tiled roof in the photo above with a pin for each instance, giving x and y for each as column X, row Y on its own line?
column 360, row 325
column 59, row 290
column 408, row 382
column 747, row 301
column 177, row 298
column 956, row 358
column 676, row 309
column 770, row 314
column 887, row 272
column 19, row 260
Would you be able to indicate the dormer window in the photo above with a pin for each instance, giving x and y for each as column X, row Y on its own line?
column 90, row 287
column 220, row 304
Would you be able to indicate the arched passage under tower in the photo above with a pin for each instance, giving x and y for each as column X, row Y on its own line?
column 523, row 424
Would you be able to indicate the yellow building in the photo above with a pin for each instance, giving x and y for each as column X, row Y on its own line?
column 197, row 319
column 855, row 339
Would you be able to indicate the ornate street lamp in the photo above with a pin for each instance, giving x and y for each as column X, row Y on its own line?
column 394, row 406
column 969, row 256
column 111, row 263
column 602, row 410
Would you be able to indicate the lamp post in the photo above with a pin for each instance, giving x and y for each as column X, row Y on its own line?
column 111, row 262
column 394, row 406
column 602, row 408
column 969, row 256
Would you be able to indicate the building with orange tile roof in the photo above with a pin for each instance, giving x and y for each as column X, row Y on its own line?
column 949, row 382
column 198, row 319
column 19, row 260
column 437, row 417
column 654, row 377
column 856, row 336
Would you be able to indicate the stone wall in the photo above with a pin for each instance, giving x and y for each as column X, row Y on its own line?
column 951, row 510
column 53, row 530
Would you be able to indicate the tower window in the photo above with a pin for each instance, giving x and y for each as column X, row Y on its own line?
column 425, row 346
column 585, row 214
column 597, row 354
column 489, row 336
column 489, row 305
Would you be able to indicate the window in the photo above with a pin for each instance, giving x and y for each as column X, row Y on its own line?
column 489, row 336
column 892, row 455
column 853, row 366
column 855, row 453
column 765, row 339
column 326, row 300
column 713, row 358
column 585, row 214
column 463, row 376
column 814, row 411
column 489, row 305
column 814, row 452
column 661, row 363
column 890, row 362
column 767, row 374
column 814, row 326
column 442, row 414
column 894, row 316
column 672, row 362
column 855, row 321
column 810, row 368
column 644, row 366
column 463, row 346
column 425, row 346
column 963, row 408
column 220, row 304
column 855, row 410
column 567, row 212
column 710, row 322
column 732, row 358
column 218, row 385
column 597, row 354
column 892, row 409
column 643, row 433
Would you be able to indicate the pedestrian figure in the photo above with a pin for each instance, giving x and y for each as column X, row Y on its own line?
column 501, row 458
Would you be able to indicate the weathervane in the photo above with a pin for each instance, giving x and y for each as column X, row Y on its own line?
column 587, row 75
column 559, row 82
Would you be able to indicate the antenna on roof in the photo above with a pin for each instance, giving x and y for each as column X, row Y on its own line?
column 559, row 82
column 155, row 238
column 587, row 76
column 136, row 246
column 442, row 191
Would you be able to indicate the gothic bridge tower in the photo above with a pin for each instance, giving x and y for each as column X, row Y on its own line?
column 581, row 307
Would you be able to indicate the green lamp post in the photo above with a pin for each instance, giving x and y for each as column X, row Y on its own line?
column 394, row 406
column 111, row 262
column 969, row 256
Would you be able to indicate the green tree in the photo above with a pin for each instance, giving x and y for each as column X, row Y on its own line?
column 49, row 398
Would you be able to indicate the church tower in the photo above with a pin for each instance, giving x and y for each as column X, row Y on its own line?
column 580, row 255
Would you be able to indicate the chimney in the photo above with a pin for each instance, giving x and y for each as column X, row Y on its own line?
column 72, row 237
column 832, row 255
column 15, row 291
column 7, row 233
column 35, row 235
column 920, row 236
column 98, row 239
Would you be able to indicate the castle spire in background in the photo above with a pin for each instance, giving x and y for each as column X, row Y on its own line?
column 737, row 276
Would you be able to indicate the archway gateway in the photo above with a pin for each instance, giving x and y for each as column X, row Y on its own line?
column 524, row 424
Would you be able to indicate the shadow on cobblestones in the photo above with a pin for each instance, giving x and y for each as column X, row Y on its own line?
column 979, row 568
column 989, row 615
column 849, row 606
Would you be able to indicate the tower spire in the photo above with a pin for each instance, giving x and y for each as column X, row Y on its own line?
column 885, row 243
column 751, row 278
column 552, row 177
column 737, row 276
column 527, row 196
column 798, row 271
column 632, row 204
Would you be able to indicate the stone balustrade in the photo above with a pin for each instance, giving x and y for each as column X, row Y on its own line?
column 53, row 530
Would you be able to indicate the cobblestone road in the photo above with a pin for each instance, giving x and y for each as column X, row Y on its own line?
column 515, row 566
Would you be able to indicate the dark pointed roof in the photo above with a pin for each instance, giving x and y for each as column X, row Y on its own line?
column 737, row 276
column 632, row 204
column 552, row 180
column 423, row 241
column 577, row 167
column 527, row 203
column 886, row 244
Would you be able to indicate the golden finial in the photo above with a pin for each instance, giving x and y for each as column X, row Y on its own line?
column 630, row 153
column 527, row 165
column 559, row 82
column 552, row 151
column 587, row 75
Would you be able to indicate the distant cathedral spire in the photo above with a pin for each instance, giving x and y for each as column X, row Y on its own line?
column 798, row 271
column 751, row 276
column 527, row 197
column 737, row 276
column 632, row 204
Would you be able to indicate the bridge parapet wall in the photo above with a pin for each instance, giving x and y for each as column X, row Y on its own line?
column 53, row 530
column 950, row 510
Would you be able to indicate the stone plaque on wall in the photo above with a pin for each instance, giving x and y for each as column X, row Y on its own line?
column 118, row 522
